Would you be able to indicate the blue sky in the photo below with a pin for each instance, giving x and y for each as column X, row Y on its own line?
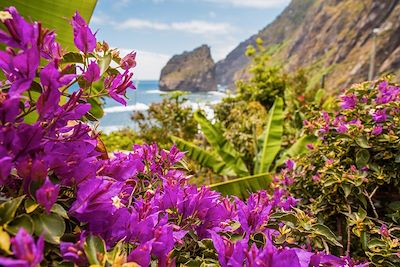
column 159, row 29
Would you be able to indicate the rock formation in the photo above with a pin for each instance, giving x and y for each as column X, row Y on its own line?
column 191, row 71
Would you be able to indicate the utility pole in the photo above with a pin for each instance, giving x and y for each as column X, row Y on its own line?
column 371, row 74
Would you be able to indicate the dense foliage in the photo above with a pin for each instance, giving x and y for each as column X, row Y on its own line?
column 58, row 187
column 120, row 140
column 351, row 180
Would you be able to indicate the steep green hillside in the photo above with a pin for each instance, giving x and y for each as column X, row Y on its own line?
column 327, row 37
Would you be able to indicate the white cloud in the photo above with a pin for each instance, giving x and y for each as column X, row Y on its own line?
column 142, row 24
column 252, row 3
column 202, row 27
column 149, row 64
column 192, row 26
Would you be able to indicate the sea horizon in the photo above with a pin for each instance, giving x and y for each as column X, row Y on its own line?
column 147, row 92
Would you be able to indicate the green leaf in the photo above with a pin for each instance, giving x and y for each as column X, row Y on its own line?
column 30, row 205
column 225, row 149
column 362, row 142
column 4, row 241
column 363, row 200
column 8, row 209
column 203, row 157
column 115, row 253
column 272, row 137
column 95, row 250
column 96, row 109
column 58, row 209
column 346, row 189
column 362, row 158
column 297, row 149
column 324, row 231
column 242, row 187
column 72, row 57
column 319, row 95
column 364, row 240
column 24, row 221
column 376, row 243
column 283, row 216
column 104, row 63
column 362, row 214
column 52, row 226
column 55, row 15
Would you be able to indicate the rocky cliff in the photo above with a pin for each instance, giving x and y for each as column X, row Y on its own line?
column 334, row 38
column 191, row 71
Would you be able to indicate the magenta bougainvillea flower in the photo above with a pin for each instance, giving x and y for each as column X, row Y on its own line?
column 21, row 34
column 92, row 73
column 47, row 194
column 377, row 130
column 84, row 39
column 20, row 69
column 27, row 253
column 380, row 115
column 349, row 101
column 5, row 165
column 51, row 80
column 50, row 49
column 128, row 61
column 117, row 85
column 74, row 252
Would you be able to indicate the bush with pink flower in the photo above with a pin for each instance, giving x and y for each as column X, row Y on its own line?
column 350, row 181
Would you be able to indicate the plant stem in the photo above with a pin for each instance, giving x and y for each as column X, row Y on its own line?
column 348, row 235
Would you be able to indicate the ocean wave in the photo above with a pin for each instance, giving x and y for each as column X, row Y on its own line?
column 136, row 107
column 155, row 91
column 216, row 93
column 209, row 112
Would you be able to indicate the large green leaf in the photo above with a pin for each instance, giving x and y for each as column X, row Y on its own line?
column 298, row 148
column 22, row 221
column 203, row 157
column 242, row 187
column 272, row 137
column 54, row 15
column 9, row 208
column 52, row 226
column 95, row 250
column 231, row 157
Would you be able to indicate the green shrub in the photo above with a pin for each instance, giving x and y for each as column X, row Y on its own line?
column 119, row 140
column 169, row 117
column 350, row 181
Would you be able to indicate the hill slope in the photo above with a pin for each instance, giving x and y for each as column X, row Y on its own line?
column 331, row 37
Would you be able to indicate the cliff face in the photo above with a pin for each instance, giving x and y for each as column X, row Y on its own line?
column 190, row 71
column 327, row 37
column 276, row 33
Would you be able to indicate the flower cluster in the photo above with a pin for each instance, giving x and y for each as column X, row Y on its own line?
column 351, row 178
column 142, row 199
column 90, row 209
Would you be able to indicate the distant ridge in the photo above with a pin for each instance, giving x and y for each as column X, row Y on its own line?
column 326, row 37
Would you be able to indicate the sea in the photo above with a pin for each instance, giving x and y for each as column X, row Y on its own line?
column 118, row 116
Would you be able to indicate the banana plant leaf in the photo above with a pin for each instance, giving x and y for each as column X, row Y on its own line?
column 54, row 14
column 243, row 187
column 203, row 157
column 272, row 138
column 231, row 157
